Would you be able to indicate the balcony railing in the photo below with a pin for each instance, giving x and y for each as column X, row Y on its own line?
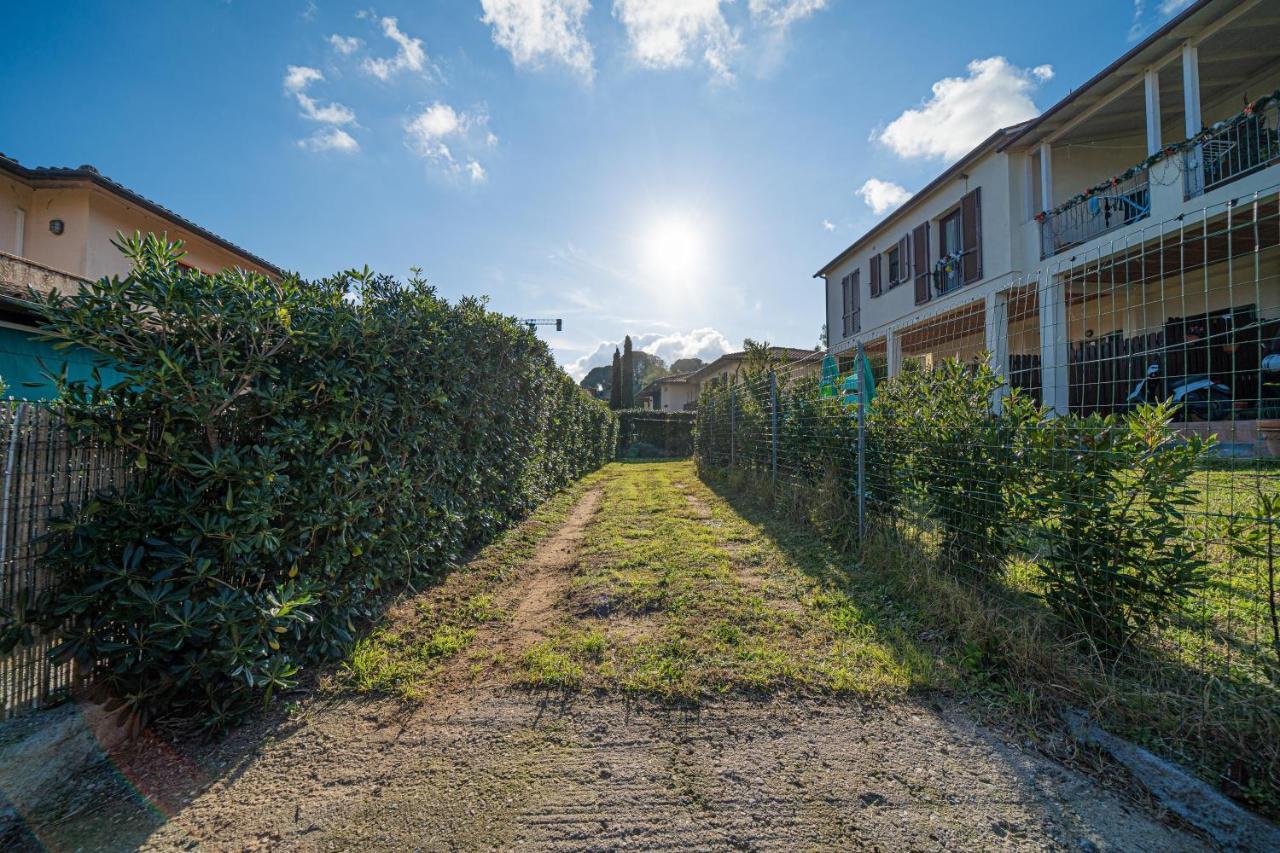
column 1246, row 144
column 1124, row 202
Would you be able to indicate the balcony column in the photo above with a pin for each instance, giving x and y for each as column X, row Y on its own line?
column 1191, row 88
column 892, row 354
column 997, row 340
column 1046, row 177
column 1054, row 344
column 1191, row 109
column 1152, row 87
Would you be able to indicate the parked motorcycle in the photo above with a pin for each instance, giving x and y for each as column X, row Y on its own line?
column 1200, row 398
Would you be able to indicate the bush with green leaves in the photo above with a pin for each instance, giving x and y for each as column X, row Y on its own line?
column 1098, row 501
column 298, row 449
column 1118, row 553
column 968, row 459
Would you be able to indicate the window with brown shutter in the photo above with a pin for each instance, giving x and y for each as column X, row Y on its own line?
column 855, row 288
column 971, row 228
column 904, row 259
column 875, row 275
column 920, row 241
column 845, row 300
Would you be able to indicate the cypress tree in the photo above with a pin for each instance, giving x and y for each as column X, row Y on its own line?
column 628, row 375
column 615, row 390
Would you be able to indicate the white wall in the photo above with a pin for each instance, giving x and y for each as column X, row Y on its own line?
column 993, row 174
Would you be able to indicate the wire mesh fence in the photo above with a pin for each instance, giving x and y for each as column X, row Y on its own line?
column 44, row 469
column 1095, row 450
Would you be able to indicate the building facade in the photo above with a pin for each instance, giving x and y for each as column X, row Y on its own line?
column 680, row 392
column 1131, row 228
column 56, row 231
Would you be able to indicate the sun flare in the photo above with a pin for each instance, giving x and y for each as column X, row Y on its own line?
column 674, row 250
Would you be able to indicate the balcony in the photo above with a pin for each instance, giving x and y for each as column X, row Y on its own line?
column 1093, row 214
column 1243, row 145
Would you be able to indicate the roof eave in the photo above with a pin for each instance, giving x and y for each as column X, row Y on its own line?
column 72, row 176
column 916, row 199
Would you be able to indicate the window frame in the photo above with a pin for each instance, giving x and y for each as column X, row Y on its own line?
column 894, row 264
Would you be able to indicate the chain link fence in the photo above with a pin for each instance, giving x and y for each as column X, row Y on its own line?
column 1092, row 458
column 45, row 470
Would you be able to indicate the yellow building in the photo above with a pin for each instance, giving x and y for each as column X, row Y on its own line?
column 56, row 230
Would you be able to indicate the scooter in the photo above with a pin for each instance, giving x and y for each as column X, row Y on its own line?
column 1200, row 398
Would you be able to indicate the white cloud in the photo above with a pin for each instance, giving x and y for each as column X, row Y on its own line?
column 706, row 344
column 331, row 139
column 882, row 196
column 331, row 113
column 668, row 33
column 345, row 45
column 534, row 31
column 299, row 77
column 1165, row 9
column 296, row 80
column 783, row 13
column 963, row 111
column 410, row 55
column 828, row 225
column 431, row 133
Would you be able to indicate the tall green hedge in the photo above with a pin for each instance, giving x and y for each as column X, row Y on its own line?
column 299, row 448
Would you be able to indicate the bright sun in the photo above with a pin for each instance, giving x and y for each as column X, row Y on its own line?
column 673, row 251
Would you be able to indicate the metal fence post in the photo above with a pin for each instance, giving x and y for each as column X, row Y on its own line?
column 733, row 427
column 859, row 369
column 773, row 425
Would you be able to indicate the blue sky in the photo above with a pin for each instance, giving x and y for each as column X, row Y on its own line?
column 675, row 169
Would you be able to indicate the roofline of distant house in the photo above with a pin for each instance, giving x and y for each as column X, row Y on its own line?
column 916, row 199
column 1129, row 55
column 93, row 176
column 1013, row 133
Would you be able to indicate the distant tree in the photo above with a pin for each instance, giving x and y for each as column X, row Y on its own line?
column 759, row 359
column 686, row 365
column 599, row 381
column 648, row 368
column 628, row 374
column 615, row 387
column 822, row 338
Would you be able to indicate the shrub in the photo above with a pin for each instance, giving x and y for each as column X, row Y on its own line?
column 297, row 449
column 969, row 459
column 1117, row 554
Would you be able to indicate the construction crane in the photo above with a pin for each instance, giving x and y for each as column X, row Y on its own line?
column 533, row 324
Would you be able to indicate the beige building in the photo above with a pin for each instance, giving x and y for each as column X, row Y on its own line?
column 56, row 230
column 1132, row 224
column 680, row 392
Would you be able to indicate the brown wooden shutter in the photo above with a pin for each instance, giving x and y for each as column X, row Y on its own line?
column 971, row 234
column 875, row 275
column 855, row 287
column 920, row 240
column 904, row 258
column 844, row 306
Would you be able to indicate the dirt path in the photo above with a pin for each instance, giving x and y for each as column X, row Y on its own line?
column 536, row 603
column 598, row 773
column 488, row 766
